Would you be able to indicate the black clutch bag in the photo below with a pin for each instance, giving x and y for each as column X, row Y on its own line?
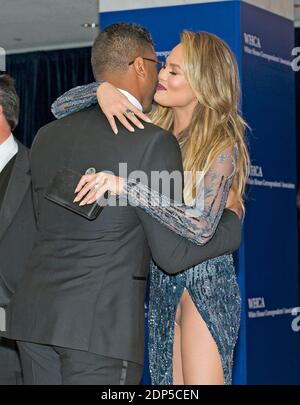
column 61, row 190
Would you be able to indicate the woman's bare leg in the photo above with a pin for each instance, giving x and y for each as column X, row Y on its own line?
column 201, row 361
column 177, row 362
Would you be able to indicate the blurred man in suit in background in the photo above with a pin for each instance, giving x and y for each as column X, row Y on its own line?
column 17, row 221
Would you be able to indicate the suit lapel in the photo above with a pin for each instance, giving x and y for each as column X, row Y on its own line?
column 16, row 190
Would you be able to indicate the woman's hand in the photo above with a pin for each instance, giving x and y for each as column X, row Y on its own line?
column 93, row 186
column 114, row 104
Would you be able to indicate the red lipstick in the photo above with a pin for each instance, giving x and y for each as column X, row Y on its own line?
column 160, row 87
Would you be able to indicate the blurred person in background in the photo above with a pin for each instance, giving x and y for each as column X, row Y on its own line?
column 17, row 221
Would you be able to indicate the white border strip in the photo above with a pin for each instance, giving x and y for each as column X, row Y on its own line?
column 118, row 5
column 284, row 8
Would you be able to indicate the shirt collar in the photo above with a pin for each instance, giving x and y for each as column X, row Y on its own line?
column 7, row 150
column 132, row 99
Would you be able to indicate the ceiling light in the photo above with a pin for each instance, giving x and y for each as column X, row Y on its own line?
column 90, row 25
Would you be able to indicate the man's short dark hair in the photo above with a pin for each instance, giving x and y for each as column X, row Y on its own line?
column 117, row 45
column 9, row 100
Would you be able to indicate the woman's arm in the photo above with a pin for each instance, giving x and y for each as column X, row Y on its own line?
column 111, row 101
column 197, row 224
column 75, row 100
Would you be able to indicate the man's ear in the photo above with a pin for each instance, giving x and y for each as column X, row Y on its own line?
column 1, row 109
column 139, row 67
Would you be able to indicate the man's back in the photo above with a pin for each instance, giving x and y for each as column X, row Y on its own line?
column 85, row 283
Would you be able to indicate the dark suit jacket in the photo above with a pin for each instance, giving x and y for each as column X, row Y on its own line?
column 85, row 283
column 17, row 226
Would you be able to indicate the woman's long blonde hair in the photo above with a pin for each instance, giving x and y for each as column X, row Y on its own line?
column 211, row 70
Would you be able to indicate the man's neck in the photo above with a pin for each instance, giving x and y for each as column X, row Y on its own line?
column 132, row 99
column 125, row 85
column 5, row 132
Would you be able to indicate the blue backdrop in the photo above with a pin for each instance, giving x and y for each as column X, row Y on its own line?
column 270, row 255
column 267, row 350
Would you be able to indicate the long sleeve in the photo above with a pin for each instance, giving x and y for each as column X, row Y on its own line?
column 74, row 100
column 198, row 223
column 172, row 252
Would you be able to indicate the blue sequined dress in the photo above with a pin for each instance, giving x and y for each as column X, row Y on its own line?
column 212, row 285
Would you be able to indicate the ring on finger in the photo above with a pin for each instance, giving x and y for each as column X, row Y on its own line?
column 128, row 111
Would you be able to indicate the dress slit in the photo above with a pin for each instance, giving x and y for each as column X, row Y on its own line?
column 209, row 326
column 213, row 289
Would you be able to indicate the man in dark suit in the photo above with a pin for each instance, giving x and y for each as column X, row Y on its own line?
column 17, row 222
column 78, row 314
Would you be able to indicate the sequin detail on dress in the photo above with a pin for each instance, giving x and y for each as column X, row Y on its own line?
column 213, row 288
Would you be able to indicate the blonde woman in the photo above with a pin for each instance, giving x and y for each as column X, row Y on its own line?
column 194, row 316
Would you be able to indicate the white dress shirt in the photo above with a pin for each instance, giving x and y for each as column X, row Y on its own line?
column 8, row 149
column 132, row 99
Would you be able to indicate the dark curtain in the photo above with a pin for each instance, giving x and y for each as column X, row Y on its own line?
column 40, row 78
